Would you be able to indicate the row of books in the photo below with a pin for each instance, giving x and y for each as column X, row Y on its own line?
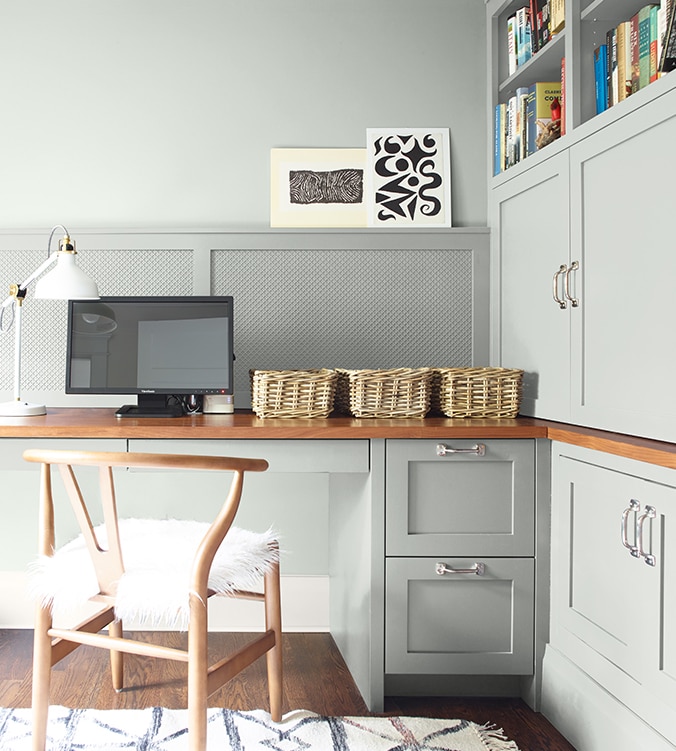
column 530, row 28
column 636, row 53
column 526, row 123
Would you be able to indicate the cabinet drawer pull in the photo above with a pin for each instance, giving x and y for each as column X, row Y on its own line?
column 634, row 506
column 478, row 568
column 555, row 286
column 648, row 513
column 574, row 266
column 478, row 450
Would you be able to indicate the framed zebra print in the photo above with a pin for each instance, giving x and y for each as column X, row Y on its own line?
column 317, row 188
column 409, row 177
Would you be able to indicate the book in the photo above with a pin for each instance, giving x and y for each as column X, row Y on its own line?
column 541, row 128
column 510, row 135
column 633, row 43
column 563, row 96
column 668, row 57
column 497, row 139
column 663, row 14
column 543, row 23
column 520, row 135
column 533, row 13
column 644, row 46
column 653, row 43
column 611, row 43
column 623, row 33
column 511, row 45
column 557, row 16
column 523, row 36
column 601, row 77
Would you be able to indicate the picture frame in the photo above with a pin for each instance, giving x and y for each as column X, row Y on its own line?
column 318, row 187
column 409, row 177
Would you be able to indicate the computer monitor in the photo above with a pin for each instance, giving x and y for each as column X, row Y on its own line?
column 168, row 351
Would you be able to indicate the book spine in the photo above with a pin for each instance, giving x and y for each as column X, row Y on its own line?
column 531, row 117
column 510, row 141
column 563, row 96
column 644, row 46
column 611, row 42
column 622, row 45
column 633, row 41
column 543, row 24
column 521, row 115
column 600, row 77
column 653, row 43
column 496, row 141
column 668, row 57
column 557, row 18
column 534, row 31
column 511, row 44
column 523, row 51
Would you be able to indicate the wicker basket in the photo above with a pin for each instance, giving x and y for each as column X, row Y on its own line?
column 293, row 393
column 479, row 392
column 400, row 392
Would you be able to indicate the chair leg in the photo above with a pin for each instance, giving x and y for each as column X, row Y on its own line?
column 197, row 674
column 42, row 668
column 273, row 621
column 116, row 658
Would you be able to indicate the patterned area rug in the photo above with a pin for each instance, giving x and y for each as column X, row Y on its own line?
column 161, row 729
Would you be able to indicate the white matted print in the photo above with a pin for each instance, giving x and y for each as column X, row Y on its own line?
column 317, row 188
column 409, row 177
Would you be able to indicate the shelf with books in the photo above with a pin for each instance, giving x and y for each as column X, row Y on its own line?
column 628, row 35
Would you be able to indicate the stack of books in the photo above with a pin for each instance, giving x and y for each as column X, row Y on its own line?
column 637, row 51
column 530, row 28
column 526, row 123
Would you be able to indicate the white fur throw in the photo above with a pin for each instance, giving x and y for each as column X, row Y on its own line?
column 157, row 557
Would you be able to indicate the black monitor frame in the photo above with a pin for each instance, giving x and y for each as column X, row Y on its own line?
column 153, row 401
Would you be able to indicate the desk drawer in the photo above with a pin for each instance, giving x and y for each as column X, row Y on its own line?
column 310, row 455
column 476, row 501
column 459, row 623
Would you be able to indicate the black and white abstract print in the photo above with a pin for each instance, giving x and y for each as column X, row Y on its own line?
column 410, row 175
column 330, row 186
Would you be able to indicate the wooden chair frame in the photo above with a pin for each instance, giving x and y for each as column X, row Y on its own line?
column 53, row 644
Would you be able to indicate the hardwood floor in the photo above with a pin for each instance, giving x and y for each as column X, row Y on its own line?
column 315, row 678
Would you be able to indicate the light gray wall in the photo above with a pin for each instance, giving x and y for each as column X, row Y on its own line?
column 161, row 113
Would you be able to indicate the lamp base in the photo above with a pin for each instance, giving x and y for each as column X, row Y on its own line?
column 21, row 409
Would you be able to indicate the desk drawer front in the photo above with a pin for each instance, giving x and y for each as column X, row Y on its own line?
column 283, row 456
column 464, row 503
column 459, row 623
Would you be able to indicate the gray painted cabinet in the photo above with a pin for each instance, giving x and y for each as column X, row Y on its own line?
column 531, row 217
column 466, row 507
column 614, row 586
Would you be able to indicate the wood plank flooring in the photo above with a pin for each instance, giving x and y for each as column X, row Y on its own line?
column 315, row 678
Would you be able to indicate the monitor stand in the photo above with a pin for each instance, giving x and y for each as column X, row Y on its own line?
column 150, row 405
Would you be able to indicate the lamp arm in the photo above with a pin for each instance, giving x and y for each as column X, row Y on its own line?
column 40, row 269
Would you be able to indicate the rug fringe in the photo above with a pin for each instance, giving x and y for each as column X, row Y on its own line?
column 494, row 739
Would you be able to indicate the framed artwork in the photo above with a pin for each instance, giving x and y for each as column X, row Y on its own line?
column 317, row 188
column 409, row 177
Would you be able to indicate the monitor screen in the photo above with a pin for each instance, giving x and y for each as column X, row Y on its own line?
column 163, row 349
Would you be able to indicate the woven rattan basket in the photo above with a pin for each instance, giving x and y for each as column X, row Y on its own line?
column 400, row 392
column 479, row 392
column 293, row 393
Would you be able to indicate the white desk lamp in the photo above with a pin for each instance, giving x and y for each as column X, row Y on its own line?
column 64, row 282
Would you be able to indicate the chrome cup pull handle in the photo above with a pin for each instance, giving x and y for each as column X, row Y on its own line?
column 479, row 569
column 633, row 507
column 478, row 450
column 555, row 286
column 648, row 513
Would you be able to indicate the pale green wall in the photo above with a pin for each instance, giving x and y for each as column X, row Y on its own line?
column 161, row 113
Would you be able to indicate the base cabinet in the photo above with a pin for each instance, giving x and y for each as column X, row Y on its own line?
column 460, row 560
column 613, row 606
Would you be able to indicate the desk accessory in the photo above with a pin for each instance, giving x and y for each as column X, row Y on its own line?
column 64, row 282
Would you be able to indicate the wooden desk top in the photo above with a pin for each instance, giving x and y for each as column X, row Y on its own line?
column 87, row 422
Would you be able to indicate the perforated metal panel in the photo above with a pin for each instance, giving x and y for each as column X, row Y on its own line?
column 346, row 308
column 117, row 272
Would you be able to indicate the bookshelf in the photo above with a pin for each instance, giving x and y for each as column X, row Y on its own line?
column 586, row 25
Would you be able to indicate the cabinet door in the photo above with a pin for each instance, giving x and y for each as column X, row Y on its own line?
column 622, row 216
column 459, row 623
column 530, row 217
column 476, row 501
column 613, row 613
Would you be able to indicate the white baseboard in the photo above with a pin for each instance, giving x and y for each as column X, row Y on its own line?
column 305, row 606
column 587, row 715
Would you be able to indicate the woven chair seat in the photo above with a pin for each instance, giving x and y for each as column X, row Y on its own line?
column 158, row 557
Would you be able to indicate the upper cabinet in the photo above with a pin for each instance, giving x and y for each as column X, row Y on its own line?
column 566, row 66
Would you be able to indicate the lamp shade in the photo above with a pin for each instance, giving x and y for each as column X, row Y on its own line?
column 66, row 281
